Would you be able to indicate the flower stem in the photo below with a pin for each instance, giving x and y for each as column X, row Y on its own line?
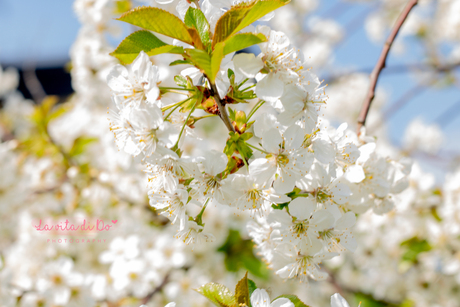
column 199, row 217
column 183, row 127
column 244, row 158
column 251, row 86
column 204, row 116
column 176, row 88
column 176, row 105
column 257, row 148
column 255, row 108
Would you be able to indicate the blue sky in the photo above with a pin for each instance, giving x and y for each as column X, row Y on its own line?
column 42, row 32
column 39, row 31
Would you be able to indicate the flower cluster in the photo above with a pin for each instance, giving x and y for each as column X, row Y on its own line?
column 281, row 161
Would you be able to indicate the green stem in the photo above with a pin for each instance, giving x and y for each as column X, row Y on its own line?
column 255, row 108
column 248, row 87
column 204, row 116
column 199, row 217
column 176, row 88
column 177, row 92
column 171, row 106
column 176, row 105
column 244, row 159
column 183, row 127
column 257, row 148
column 242, row 83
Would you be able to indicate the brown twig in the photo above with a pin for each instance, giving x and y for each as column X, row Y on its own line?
column 32, row 83
column 381, row 63
column 156, row 290
column 222, row 109
column 398, row 69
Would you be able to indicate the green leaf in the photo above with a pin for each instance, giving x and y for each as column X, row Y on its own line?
column 201, row 59
column 230, row 73
column 414, row 246
column 259, row 10
column 179, row 62
column 239, row 255
column 220, row 295
column 251, row 286
column 180, row 80
column 435, row 214
column 194, row 18
column 216, row 60
column 242, row 291
column 367, row 300
column 294, row 299
column 228, row 22
column 241, row 16
column 196, row 41
column 240, row 119
column 122, row 6
column 145, row 41
column 158, row 20
column 243, row 40
column 166, row 49
column 80, row 144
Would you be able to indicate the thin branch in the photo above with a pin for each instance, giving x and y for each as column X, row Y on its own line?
column 32, row 83
column 222, row 109
column 337, row 10
column 398, row 69
column 405, row 98
column 448, row 115
column 381, row 63
column 352, row 27
column 156, row 290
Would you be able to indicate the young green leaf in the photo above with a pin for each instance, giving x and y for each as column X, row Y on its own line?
column 216, row 60
column 251, row 286
column 242, row 15
column 242, row 291
column 229, row 21
column 145, row 41
column 243, row 40
column 80, row 144
column 201, row 59
column 220, row 295
column 294, row 299
column 158, row 20
column 180, row 81
column 239, row 253
column 194, row 18
column 122, row 6
column 196, row 38
column 180, row 62
column 259, row 10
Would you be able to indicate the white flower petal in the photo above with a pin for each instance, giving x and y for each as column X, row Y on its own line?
column 270, row 88
column 260, row 298
column 355, row 173
column 338, row 301
column 322, row 220
column 346, row 221
column 247, row 64
column 302, row 207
